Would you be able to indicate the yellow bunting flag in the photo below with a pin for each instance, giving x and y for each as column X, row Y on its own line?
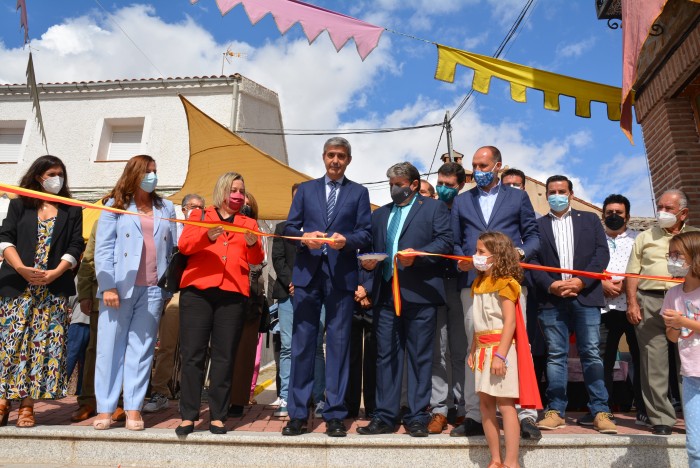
column 521, row 77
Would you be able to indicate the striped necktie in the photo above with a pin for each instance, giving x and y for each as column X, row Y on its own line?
column 391, row 233
column 330, row 203
column 330, row 206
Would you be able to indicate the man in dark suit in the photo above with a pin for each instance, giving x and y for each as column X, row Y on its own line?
column 490, row 206
column 411, row 222
column 325, row 274
column 571, row 240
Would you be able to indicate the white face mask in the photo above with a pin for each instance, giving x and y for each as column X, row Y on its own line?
column 665, row 219
column 53, row 184
column 480, row 262
column 678, row 268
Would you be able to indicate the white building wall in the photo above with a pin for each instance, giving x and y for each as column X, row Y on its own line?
column 74, row 119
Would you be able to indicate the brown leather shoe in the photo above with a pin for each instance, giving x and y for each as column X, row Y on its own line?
column 119, row 415
column 82, row 413
column 437, row 424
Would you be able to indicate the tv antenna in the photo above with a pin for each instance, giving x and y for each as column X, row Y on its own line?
column 228, row 55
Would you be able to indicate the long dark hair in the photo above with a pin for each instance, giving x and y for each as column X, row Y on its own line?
column 35, row 171
column 123, row 192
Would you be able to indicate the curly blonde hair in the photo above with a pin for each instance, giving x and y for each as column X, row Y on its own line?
column 506, row 261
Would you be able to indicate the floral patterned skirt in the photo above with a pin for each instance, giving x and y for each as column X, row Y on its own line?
column 32, row 345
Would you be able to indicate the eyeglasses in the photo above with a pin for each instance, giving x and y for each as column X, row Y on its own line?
column 675, row 256
column 194, row 207
column 514, row 185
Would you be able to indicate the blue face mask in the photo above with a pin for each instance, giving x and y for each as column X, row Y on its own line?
column 149, row 182
column 483, row 179
column 558, row 203
column 445, row 193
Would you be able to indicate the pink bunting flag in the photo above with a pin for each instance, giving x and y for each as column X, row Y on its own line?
column 23, row 23
column 314, row 20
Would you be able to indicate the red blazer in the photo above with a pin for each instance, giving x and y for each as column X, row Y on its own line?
column 223, row 264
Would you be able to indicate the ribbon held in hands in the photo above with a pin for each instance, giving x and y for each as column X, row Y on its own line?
column 603, row 276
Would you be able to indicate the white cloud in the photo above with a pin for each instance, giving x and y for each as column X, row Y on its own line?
column 505, row 11
column 317, row 88
column 575, row 49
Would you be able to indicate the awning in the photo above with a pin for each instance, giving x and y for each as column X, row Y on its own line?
column 215, row 150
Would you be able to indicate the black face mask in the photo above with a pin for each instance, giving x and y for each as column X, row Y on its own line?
column 246, row 211
column 400, row 194
column 614, row 222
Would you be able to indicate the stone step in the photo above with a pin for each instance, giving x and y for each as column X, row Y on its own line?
column 53, row 446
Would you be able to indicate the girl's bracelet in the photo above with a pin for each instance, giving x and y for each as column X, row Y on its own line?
column 501, row 357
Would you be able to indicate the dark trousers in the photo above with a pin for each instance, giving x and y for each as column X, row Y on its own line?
column 412, row 334
column 208, row 318
column 339, row 306
column 363, row 366
column 87, row 392
column 613, row 325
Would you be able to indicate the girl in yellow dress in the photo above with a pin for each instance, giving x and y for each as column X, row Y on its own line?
column 493, row 355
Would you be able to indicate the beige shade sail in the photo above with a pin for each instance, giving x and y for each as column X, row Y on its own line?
column 215, row 150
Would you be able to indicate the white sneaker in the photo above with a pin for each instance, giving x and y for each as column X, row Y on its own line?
column 281, row 411
column 157, row 402
column 318, row 412
column 277, row 402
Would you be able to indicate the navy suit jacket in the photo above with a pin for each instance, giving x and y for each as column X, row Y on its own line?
column 591, row 253
column 426, row 228
column 512, row 215
column 351, row 218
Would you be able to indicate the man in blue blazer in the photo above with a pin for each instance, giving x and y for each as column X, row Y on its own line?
column 490, row 206
column 571, row 240
column 411, row 222
column 325, row 274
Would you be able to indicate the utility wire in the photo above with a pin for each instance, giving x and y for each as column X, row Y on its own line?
column 110, row 17
column 359, row 131
column 511, row 32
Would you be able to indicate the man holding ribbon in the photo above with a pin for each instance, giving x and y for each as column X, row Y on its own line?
column 405, row 320
column 332, row 214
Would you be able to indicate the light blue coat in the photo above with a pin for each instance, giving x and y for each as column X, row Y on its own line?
column 118, row 246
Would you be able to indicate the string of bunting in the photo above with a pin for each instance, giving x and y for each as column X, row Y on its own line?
column 605, row 275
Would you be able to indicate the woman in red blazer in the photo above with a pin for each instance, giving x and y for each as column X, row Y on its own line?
column 214, row 291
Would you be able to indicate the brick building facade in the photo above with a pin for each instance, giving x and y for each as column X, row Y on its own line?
column 668, row 99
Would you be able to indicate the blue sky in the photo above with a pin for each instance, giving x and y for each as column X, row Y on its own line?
column 395, row 86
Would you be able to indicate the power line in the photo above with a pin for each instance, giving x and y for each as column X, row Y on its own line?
column 511, row 32
column 110, row 17
column 359, row 131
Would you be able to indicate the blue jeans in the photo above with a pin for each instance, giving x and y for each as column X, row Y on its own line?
column 585, row 322
column 691, row 412
column 77, row 341
column 286, row 318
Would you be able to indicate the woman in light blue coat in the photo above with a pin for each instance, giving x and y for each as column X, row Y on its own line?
column 131, row 253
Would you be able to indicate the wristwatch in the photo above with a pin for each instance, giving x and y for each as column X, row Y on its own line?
column 521, row 252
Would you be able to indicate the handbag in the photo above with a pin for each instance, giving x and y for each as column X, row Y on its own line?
column 170, row 281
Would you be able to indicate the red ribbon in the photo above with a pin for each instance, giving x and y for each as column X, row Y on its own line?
column 605, row 275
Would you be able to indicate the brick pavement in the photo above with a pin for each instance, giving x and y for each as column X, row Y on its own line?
column 259, row 418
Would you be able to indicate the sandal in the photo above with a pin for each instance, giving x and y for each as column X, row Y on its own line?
column 4, row 414
column 103, row 423
column 134, row 424
column 495, row 464
column 25, row 416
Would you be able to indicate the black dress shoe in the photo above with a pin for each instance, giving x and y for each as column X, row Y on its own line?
column 294, row 427
column 468, row 428
column 661, row 429
column 235, row 411
column 417, row 429
column 528, row 430
column 182, row 431
column 217, row 429
column 336, row 428
column 376, row 426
